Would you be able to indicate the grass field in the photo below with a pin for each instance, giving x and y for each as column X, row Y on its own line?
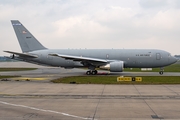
column 172, row 68
column 113, row 80
column 16, row 69
column 8, row 76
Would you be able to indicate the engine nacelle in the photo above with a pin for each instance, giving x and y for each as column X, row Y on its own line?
column 116, row 66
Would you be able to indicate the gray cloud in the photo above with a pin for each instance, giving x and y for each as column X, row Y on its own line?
column 93, row 24
column 153, row 3
column 177, row 4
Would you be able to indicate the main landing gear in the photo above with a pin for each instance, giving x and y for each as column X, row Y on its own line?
column 161, row 71
column 92, row 72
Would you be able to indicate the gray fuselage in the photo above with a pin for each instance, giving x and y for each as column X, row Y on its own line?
column 132, row 58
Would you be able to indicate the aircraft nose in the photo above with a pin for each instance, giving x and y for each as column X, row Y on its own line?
column 174, row 59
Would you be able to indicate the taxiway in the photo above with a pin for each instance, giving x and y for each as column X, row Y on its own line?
column 39, row 99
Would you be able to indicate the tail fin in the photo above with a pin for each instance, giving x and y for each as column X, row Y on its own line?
column 26, row 40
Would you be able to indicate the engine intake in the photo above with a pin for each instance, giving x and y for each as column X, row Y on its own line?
column 116, row 66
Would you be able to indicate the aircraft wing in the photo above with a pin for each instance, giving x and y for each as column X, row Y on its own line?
column 81, row 58
column 22, row 54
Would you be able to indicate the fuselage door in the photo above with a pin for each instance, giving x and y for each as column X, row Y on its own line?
column 107, row 56
column 158, row 56
column 49, row 57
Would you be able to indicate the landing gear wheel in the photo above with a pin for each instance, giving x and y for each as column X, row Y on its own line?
column 88, row 72
column 94, row 72
column 161, row 72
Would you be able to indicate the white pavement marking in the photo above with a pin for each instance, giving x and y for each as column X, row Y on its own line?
column 43, row 110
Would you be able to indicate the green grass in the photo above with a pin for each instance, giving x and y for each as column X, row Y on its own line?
column 172, row 68
column 8, row 76
column 16, row 69
column 113, row 80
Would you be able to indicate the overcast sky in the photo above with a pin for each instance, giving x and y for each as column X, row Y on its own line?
column 128, row 24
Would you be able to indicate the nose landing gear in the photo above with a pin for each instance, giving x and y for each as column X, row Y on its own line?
column 161, row 71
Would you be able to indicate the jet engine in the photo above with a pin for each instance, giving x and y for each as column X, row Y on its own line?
column 116, row 66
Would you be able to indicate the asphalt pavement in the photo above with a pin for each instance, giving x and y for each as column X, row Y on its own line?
column 36, row 98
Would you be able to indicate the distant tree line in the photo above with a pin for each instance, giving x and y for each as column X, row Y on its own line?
column 4, row 59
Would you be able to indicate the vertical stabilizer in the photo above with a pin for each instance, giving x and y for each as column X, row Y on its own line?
column 26, row 40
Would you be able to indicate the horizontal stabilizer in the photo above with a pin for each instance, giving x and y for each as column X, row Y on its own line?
column 22, row 54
